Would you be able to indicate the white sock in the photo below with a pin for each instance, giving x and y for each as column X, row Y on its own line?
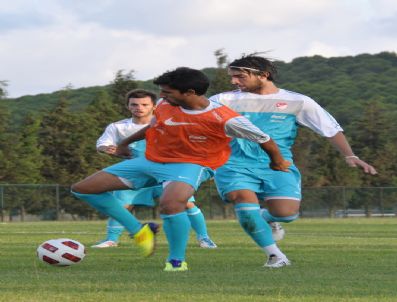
column 273, row 250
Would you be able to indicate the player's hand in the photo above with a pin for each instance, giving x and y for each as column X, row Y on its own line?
column 111, row 150
column 280, row 166
column 123, row 151
column 356, row 162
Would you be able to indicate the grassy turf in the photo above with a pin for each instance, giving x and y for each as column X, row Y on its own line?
column 332, row 260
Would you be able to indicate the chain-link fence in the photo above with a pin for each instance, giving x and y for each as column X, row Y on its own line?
column 30, row 202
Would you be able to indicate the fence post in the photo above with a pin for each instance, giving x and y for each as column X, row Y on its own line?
column 344, row 200
column 2, row 203
column 210, row 201
column 57, row 201
column 382, row 210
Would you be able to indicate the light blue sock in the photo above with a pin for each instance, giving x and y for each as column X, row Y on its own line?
column 109, row 205
column 114, row 230
column 253, row 224
column 270, row 218
column 197, row 221
column 176, row 227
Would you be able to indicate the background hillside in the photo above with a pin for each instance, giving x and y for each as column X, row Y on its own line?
column 336, row 83
column 360, row 91
column 50, row 138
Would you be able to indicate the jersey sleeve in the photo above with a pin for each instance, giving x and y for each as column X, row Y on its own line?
column 313, row 116
column 241, row 127
column 109, row 137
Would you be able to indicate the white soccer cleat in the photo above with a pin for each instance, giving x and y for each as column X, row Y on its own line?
column 105, row 244
column 207, row 243
column 277, row 231
column 276, row 262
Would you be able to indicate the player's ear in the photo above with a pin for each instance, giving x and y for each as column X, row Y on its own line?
column 264, row 75
column 190, row 92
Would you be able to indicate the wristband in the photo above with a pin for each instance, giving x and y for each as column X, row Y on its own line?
column 352, row 156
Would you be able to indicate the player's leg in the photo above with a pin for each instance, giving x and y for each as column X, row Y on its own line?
column 96, row 190
column 181, row 180
column 114, row 229
column 239, row 186
column 176, row 222
column 199, row 225
column 282, row 198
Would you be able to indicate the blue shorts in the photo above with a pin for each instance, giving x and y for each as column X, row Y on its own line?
column 266, row 183
column 141, row 197
column 140, row 173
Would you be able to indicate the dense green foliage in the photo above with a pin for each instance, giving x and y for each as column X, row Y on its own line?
column 332, row 260
column 50, row 138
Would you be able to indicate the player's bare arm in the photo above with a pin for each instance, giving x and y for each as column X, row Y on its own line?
column 122, row 148
column 340, row 142
column 107, row 149
column 278, row 162
column 241, row 127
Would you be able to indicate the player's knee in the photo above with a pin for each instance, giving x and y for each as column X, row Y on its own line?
column 286, row 218
column 78, row 188
column 171, row 206
column 234, row 197
column 190, row 205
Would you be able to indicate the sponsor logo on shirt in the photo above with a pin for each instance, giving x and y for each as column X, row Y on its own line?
column 170, row 122
column 197, row 138
column 281, row 117
column 281, row 105
column 216, row 116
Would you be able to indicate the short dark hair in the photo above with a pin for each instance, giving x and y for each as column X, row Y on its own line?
column 184, row 79
column 139, row 94
column 255, row 64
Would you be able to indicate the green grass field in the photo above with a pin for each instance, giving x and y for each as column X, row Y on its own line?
column 332, row 260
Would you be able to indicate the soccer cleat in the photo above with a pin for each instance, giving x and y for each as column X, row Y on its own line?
column 277, row 231
column 207, row 243
column 104, row 244
column 276, row 262
column 175, row 266
column 145, row 238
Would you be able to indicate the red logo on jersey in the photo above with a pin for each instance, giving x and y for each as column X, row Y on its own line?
column 281, row 105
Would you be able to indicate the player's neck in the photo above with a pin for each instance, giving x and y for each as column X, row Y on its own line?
column 268, row 88
column 141, row 120
column 196, row 103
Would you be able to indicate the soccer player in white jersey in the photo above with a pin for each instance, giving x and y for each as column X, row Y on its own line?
column 141, row 103
column 186, row 141
column 277, row 112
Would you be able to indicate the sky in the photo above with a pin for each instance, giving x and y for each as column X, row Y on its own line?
column 46, row 45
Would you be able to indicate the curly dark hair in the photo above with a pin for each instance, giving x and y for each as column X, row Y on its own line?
column 255, row 64
column 184, row 79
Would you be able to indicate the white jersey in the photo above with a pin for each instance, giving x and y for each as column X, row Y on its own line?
column 118, row 131
column 278, row 115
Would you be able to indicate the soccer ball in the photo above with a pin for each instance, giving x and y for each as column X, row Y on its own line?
column 61, row 252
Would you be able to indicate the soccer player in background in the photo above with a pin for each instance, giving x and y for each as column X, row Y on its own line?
column 141, row 103
column 278, row 112
column 188, row 139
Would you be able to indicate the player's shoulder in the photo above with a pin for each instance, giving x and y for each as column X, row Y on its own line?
column 293, row 96
column 119, row 124
column 125, row 121
column 226, row 95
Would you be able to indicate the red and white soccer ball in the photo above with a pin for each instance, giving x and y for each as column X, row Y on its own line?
column 61, row 252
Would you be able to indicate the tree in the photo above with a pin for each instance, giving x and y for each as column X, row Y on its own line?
column 27, row 159
column 6, row 137
column 122, row 83
column 3, row 90
column 221, row 80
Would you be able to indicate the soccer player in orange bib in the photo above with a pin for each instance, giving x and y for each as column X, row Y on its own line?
column 186, row 141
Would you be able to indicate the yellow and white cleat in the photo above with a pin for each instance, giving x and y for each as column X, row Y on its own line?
column 145, row 238
column 175, row 266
